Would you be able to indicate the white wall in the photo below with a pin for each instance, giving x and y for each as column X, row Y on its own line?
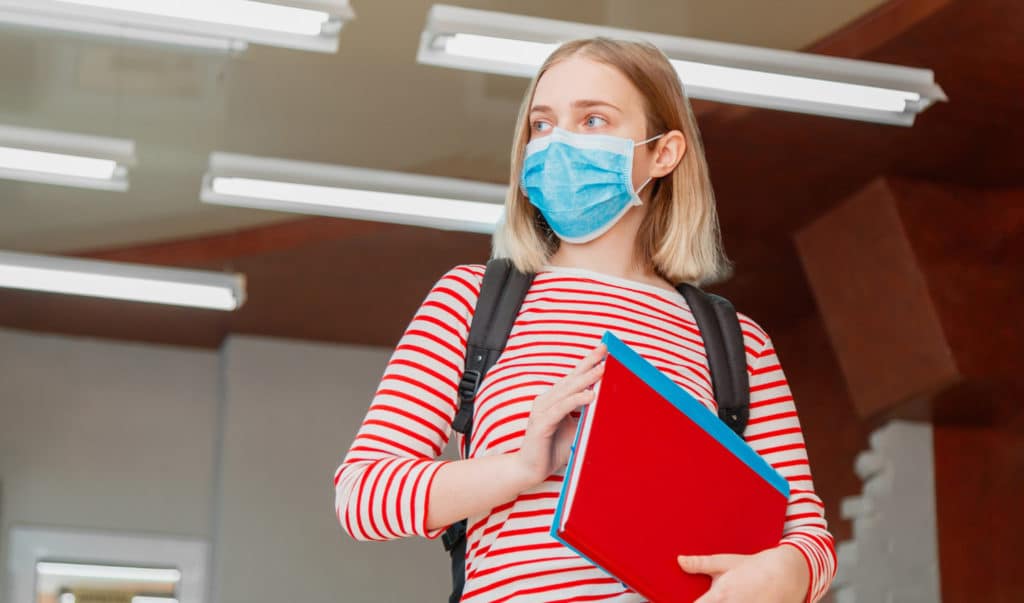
column 292, row 410
column 105, row 435
column 237, row 447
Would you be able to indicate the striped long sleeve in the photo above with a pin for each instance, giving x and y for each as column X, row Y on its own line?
column 774, row 432
column 382, row 485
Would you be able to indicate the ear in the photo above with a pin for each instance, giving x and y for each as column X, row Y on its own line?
column 668, row 153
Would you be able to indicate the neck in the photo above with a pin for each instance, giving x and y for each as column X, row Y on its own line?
column 613, row 253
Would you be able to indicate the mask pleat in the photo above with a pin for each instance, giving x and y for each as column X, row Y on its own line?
column 581, row 183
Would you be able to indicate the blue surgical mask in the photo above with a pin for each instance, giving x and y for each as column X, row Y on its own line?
column 581, row 183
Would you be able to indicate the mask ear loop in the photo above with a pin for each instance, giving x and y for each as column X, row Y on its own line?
column 649, row 178
column 651, row 139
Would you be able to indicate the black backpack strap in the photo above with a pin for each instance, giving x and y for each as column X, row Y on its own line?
column 454, row 539
column 727, row 358
column 501, row 296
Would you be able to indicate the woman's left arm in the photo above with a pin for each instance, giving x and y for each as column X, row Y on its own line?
column 801, row 568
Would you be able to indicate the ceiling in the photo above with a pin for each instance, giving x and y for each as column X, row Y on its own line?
column 353, row 107
column 359, row 282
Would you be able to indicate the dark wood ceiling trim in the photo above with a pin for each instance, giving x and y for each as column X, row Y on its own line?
column 217, row 248
column 876, row 27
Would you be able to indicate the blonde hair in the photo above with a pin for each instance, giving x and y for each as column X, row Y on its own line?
column 679, row 236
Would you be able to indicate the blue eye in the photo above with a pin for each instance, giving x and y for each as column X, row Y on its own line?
column 595, row 121
column 541, row 126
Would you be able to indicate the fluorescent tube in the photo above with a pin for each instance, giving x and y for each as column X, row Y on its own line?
column 515, row 45
column 241, row 13
column 726, row 79
column 92, row 28
column 56, row 163
column 348, row 192
column 115, row 280
column 205, row 24
column 64, row 158
column 107, row 572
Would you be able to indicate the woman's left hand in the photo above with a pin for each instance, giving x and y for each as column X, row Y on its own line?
column 775, row 575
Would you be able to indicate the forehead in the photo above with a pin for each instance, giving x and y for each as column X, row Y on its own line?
column 578, row 78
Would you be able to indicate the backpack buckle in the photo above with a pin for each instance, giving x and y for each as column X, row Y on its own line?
column 468, row 384
column 467, row 393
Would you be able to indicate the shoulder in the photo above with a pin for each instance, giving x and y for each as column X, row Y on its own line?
column 467, row 276
column 450, row 301
column 755, row 338
column 752, row 331
column 458, row 286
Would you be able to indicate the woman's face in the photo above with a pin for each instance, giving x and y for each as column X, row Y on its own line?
column 587, row 97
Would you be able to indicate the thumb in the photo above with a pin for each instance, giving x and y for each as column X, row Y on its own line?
column 711, row 565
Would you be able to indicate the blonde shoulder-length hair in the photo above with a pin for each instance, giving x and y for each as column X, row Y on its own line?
column 679, row 237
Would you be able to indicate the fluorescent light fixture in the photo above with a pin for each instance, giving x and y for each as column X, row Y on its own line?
column 502, row 43
column 64, row 158
column 116, row 280
column 206, row 24
column 350, row 192
column 107, row 572
column 140, row 599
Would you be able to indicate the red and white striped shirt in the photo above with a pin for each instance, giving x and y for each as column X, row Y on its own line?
column 382, row 485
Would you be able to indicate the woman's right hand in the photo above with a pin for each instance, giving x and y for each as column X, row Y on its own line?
column 551, row 428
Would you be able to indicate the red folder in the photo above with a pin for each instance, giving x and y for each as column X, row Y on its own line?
column 654, row 474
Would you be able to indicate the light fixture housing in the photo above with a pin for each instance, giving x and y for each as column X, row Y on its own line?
column 222, row 25
column 352, row 192
column 516, row 45
column 117, row 280
column 64, row 158
column 108, row 572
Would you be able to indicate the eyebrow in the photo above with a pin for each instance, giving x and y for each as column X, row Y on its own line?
column 580, row 104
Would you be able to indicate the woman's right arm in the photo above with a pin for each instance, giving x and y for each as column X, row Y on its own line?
column 391, row 484
column 382, row 486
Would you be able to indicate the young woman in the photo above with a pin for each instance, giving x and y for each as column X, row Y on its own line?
column 610, row 205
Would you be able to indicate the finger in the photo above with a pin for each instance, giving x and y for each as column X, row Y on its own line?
column 585, row 380
column 570, row 403
column 711, row 565
column 573, row 384
column 548, row 418
column 576, row 380
column 592, row 358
